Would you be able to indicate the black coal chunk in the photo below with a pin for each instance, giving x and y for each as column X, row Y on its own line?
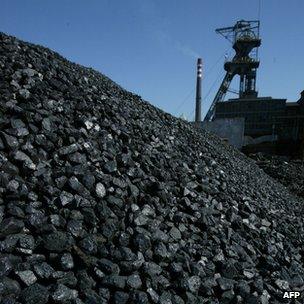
column 11, row 226
column 35, row 294
column 58, row 241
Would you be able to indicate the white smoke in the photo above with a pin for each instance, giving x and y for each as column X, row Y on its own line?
column 157, row 26
column 178, row 45
column 186, row 50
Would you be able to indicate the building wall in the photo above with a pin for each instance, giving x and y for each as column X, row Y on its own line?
column 290, row 126
column 259, row 113
column 231, row 129
column 266, row 116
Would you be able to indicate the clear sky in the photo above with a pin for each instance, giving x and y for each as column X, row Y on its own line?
column 150, row 46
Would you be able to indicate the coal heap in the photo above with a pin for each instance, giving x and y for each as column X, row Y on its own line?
column 289, row 172
column 107, row 199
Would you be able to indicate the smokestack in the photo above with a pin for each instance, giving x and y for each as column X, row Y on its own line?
column 198, row 104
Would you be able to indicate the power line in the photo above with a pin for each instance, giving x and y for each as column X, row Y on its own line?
column 184, row 100
column 206, row 76
column 217, row 61
column 259, row 9
column 220, row 75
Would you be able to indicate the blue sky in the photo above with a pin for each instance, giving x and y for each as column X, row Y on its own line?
column 150, row 46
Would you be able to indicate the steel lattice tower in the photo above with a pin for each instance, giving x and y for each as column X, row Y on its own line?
column 244, row 36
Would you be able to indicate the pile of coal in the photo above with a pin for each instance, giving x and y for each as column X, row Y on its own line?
column 107, row 199
column 289, row 172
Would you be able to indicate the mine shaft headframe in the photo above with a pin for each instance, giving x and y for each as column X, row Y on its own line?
column 245, row 39
column 243, row 29
column 244, row 36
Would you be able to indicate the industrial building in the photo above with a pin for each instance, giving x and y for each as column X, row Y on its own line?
column 250, row 122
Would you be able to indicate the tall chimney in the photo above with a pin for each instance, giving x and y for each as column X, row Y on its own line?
column 198, row 104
